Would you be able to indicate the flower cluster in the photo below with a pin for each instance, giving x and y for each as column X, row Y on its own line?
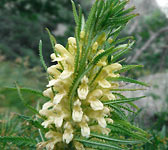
column 88, row 113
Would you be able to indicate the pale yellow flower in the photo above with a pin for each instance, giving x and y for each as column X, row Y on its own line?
column 48, row 93
column 83, row 88
column 53, row 70
column 87, row 104
column 85, row 130
column 77, row 111
column 54, row 137
column 72, row 45
column 94, row 101
column 79, row 146
column 68, row 133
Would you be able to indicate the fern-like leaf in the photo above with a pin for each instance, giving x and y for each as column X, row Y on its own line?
column 18, row 140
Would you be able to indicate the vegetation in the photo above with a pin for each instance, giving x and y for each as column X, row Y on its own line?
column 20, row 71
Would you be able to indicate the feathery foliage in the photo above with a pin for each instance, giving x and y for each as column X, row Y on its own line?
column 106, row 20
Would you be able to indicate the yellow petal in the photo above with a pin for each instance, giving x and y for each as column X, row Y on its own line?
column 72, row 41
column 47, row 105
column 79, row 146
column 66, row 74
column 48, row 93
column 68, row 136
column 83, row 92
column 52, row 82
column 58, row 97
column 77, row 114
column 104, row 83
column 96, row 93
column 102, row 122
column 58, row 121
column 85, row 130
column 46, row 123
column 96, row 104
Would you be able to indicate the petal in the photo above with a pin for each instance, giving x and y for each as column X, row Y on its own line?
column 45, row 112
column 72, row 41
column 102, row 122
column 48, row 93
column 79, row 146
column 77, row 115
column 96, row 93
column 68, row 136
column 85, row 130
column 77, row 103
column 65, row 74
column 50, row 145
column 109, row 120
column 61, row 49
column 96, row 104
column 58, row 121
column 46, row 123
column 104, row 83
column 58, row 97
column 52, row 82
column 110, row 96
column 83, row 92
column 59, row 58
column 53, row 70
column 47, row 105
column 84, row 80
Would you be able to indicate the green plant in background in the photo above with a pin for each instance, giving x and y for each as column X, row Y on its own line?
column 84, row 107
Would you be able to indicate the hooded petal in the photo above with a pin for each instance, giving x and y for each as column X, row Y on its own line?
column 104, row 83
column 79, row 146
column 102, row 122
column 83, row 92
column 46, row 123
column 47, row 105
column 68, row 135
column 96, row 104
column 66, row 74
column 52, row 82
column 77, row 114
column 58, row 121
column 85, row 130
column 48, row 93
column 58, row 97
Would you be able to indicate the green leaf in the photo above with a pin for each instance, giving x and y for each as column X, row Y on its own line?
column 52, row 40
column 123, row 40
column 108, row 138
column 41, row 56
column 119, row 7
column 123, row 19
column 125, row 108
column 125, row 131
column 125, row 79
column 29, row 90
column 123, row 97
column 128, row 67
column 97, row 144
column 126, row 11
column 126, row 89
column 125, row 100
column 91, row 17
column 119, row 112
column 34, row 123
column 18, row 140
column 24, row 102
column 75, row 13
column 126, row 48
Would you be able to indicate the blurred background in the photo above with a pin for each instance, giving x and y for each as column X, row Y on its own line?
column 22, row 25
